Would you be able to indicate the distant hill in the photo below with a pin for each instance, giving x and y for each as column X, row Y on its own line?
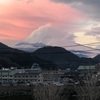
column 62, row 57
column 97, row 58
column 47, row 57
column 59, row 56
column 10, row 57
column 87, row 61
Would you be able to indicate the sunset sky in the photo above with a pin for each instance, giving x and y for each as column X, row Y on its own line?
column 77, row 18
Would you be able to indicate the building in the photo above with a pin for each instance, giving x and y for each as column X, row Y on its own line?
column 25, row 78
column 52, row 75
column 6, row 75
column 33, row 75
column 86, row 71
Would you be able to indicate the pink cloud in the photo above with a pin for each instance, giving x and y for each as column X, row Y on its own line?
column 18, row 18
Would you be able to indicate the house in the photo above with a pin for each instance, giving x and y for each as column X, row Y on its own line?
column 30, row 75
column 86, row 70
column 6, row 75
column 33, row 75
column 28, row 78
column 52, row 75
column 70, row 77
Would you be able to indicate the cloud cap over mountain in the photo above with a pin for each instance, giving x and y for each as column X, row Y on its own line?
column 49, row 35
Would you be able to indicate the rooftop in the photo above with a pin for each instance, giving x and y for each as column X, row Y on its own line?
column 86, row 67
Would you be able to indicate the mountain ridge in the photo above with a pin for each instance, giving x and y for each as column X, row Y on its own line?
column 10, row 57
column 52, row 57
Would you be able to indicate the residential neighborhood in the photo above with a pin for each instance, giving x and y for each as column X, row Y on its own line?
column 35, row 75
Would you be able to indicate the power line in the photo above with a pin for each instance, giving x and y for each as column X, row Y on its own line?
column 93, row 49
column 93, row 43
column 53, row 52
column 82, row 44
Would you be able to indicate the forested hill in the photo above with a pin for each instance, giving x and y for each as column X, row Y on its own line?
column 47, row 57
column 10, row 57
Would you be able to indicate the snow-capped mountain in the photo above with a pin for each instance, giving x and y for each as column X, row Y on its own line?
column 29, row 46
column 50, row 36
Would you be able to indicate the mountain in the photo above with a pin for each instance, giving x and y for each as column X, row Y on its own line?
column 60, row 56
column 48, row 36
column 10, row 57
column 87, row 61
column 47, row 57
column 97, row 58
column 29, row 47
column 3, row 46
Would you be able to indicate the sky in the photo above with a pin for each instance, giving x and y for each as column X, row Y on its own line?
column 78, row 19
